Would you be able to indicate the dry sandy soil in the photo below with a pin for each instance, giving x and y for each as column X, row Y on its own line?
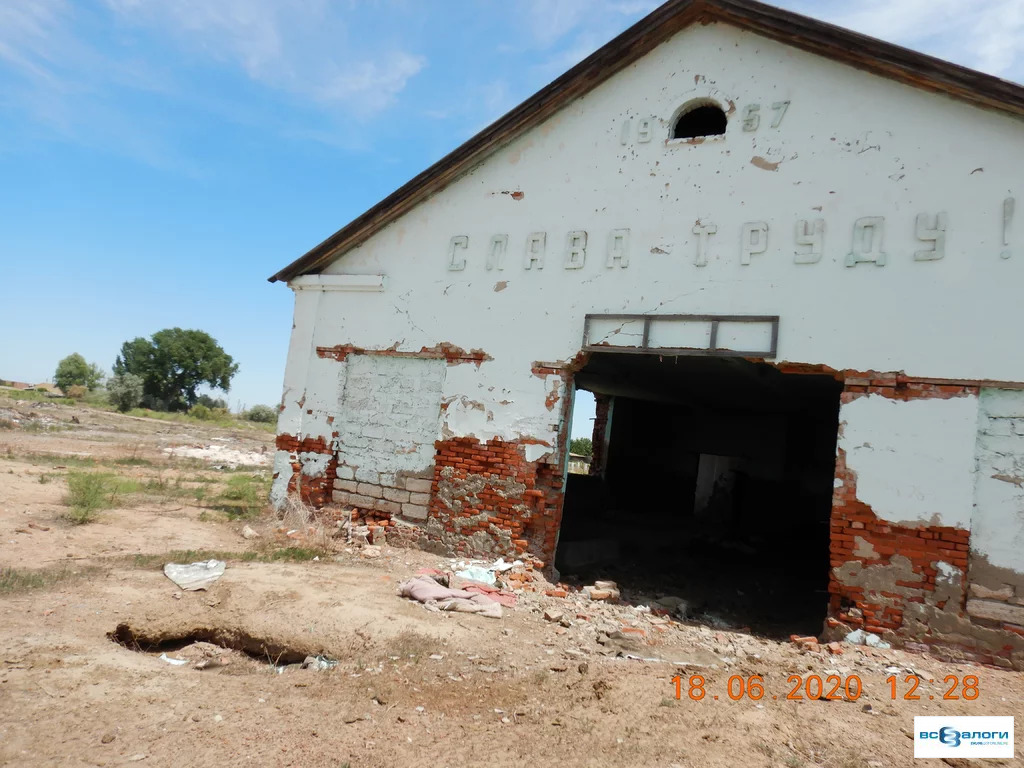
column 411, row 687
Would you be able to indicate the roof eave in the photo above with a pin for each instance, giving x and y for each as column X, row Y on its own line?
column 861, row 51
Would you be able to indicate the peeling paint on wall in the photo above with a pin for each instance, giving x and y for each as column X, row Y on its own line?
column 483, row 474
column 765, row 165
column 914, row 459
column 445, row 351
column 998, row 528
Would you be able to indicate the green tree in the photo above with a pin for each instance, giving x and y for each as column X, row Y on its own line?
column 125, row 391
column 173, row 363
column 582, row 446
column 74, row 371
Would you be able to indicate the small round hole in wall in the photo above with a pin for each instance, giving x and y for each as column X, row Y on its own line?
column 698, row 120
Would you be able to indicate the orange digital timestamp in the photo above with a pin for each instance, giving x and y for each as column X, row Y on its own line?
column 829, row 688
column 968, row 687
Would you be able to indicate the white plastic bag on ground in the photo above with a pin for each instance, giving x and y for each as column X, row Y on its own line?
column 196, row 575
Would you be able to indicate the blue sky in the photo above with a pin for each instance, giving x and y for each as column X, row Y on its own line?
column 160, row 158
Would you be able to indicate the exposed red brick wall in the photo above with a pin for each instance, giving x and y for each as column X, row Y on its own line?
column 852, row 518
column 892, row 384
column 445, row 350
column 518, row 508
column 882, row 610
column 315, row 491
column 900, row 387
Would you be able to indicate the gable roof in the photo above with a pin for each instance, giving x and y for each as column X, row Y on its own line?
column 857, row 50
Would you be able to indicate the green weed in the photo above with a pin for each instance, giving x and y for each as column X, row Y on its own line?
column 89, row 493
column 19, row 579
column 214, row 417
column 245, row 495
column 32, row 395
column 132, row 461
column 38, row 426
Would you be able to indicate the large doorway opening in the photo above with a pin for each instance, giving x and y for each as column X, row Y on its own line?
column 710, row 490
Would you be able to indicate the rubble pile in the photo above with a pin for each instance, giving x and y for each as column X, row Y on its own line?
column 375, row 524
column 289, row 536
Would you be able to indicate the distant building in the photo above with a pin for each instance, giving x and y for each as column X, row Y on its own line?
column 49, row 388
column 579, row 464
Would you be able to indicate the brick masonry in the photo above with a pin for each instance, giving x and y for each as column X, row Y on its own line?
column 484, row 499
column 858, row 536
column 910, row 583
column 389, row 420
column 407, row 497
column 314, row 467
column 487, row 499
column 478, row 498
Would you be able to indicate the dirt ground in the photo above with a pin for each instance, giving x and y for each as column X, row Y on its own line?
column 589, row 687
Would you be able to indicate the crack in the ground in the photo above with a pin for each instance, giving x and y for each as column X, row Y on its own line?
column 262, row 649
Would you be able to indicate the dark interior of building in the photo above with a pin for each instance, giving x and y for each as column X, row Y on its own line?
column 707, row 120
column 716, row 488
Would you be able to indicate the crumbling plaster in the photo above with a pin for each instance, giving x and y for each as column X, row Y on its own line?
column 914, row 459
column 851, row 145
column 998, row 526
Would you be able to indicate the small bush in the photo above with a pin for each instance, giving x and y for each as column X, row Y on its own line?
column 212, row 403
column 88, row 494
column 125, row 391
column 152, row 403
column 7, row 424
column 263, row 414
column 201, row 412
column 76, row 392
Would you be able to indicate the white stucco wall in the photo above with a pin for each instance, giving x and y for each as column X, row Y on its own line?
column 914, row 459
column 998, row 529
column 849, row 146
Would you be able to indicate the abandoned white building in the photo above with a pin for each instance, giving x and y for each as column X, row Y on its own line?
column 784, row 258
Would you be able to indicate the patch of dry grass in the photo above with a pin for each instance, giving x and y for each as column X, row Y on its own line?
column 15, row 580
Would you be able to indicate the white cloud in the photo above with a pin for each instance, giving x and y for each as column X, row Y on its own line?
column 982, row 35
column 550, row 20
column 305, row 48
column 573, row 29
column 28, row 32
column 985, row 35
column 63, row 85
